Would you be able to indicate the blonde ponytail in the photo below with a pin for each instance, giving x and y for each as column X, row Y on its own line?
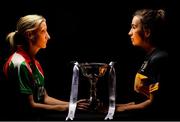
column 10, row 38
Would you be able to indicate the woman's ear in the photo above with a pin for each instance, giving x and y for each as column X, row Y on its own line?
column 147, row 33
column 29, row 35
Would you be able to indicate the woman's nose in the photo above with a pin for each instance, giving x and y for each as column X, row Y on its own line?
column 48, row 36
column 130, row 33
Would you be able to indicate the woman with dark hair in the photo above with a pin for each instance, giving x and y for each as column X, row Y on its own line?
column 146, row 29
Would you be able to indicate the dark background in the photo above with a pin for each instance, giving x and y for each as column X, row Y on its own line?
column 86, row 31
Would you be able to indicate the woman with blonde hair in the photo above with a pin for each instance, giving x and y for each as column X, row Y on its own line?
column 23, row 69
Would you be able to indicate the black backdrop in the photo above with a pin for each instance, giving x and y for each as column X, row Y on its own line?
column 91, row 31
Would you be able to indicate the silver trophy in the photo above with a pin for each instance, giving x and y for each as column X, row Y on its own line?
column 93, row 71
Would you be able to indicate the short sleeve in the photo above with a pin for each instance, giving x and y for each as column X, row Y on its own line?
column 25, row 79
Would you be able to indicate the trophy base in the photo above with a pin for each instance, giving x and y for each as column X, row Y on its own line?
column 94, row 105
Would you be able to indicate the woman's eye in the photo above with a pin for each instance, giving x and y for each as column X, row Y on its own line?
column 43, row 31
column 133, row 26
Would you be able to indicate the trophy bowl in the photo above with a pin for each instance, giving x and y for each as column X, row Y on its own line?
column 93, row 71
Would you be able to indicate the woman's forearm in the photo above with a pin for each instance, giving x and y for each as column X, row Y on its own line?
column 54, row 101
column 138, row 106
column 49, row 107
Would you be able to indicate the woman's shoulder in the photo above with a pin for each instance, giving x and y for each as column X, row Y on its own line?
column 159, row 55
column 18, row 59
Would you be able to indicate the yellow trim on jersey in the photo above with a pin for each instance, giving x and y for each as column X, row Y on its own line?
column 139, row 85
column 154, row 87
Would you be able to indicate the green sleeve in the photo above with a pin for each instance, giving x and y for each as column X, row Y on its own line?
column 25, row 79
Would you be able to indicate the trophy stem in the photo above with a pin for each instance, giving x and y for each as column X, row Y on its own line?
column 92, row 90
column 93, row 96
column 93, row 71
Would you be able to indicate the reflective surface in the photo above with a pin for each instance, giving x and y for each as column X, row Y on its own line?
column 93, row 71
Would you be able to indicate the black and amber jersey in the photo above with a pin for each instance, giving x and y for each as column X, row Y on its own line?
column 151, row 73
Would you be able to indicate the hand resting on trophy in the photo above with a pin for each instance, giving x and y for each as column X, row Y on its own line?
column 86, row 104
column 83, row 104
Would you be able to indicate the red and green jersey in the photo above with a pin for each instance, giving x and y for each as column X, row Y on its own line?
column 27, row 73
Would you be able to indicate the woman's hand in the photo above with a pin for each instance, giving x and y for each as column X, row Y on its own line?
column 83, row 104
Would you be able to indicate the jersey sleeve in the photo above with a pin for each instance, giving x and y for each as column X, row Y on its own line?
column 159, row 68
column 25, row 79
